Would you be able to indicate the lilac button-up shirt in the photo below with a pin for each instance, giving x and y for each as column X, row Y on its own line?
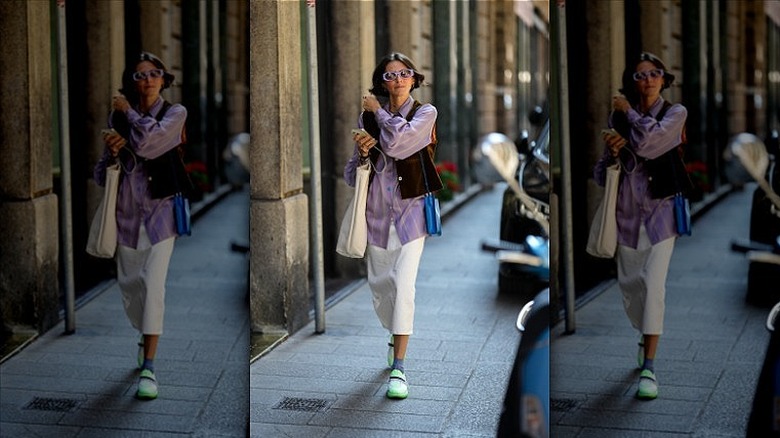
column 400, row 139
column 649, row 139
column 148, row 139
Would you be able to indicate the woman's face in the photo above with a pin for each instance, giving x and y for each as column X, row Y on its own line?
column 651, row 82
column 148, row 79
column 400, row 86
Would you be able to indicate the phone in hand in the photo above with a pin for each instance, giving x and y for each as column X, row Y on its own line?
column 109, row 131
column 609, row 131
column 360, row 131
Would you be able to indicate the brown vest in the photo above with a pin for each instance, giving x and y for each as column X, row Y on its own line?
column 411, row 179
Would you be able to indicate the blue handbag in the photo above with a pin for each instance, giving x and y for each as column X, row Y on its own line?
column 431, row 206
column 181, row 205
column 682, row 214
column 181, row 212
column 432, row 215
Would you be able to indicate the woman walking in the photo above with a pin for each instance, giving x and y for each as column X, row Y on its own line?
column 648, row 129
column 400, row 139
column 145, row 127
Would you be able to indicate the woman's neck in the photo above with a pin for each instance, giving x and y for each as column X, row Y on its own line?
column 397, row 101
column 146, row 102
column 647, row 102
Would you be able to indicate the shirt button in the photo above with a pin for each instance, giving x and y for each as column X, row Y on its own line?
column 400, row 178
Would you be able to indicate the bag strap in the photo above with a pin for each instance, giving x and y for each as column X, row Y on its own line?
column 425, row 174
column 176, row 150
column 409, row 116
column 660, row 117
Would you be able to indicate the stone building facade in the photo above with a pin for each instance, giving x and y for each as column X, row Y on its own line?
column 240, row 67
column 58, row 78
column 721, row 53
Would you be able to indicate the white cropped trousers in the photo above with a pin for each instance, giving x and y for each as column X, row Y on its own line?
column 392, row 274
column 141, row 274
column 642, row 280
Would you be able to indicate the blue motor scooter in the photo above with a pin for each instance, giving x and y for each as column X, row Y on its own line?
column 764, row 420
column 526, row 408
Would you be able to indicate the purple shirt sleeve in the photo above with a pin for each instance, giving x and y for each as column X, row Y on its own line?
column 400, row 139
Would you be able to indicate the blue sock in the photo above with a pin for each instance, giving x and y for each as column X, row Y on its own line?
column 148, row 365
column 398, row 364
column 648, row 365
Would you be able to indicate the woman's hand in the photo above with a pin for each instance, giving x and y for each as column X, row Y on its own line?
column 364, row 143
column 620, row 103
column 614, row 142
column 120, row 103
column 114, row 142
column 370, row 103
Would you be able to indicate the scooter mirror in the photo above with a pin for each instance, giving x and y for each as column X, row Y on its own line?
column 502, row 153
column 751, row 153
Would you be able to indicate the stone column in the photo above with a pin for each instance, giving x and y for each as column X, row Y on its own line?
column 351, row 34
column 606, row 46
column 105, row 65
column 279, row 242
column 29, row 286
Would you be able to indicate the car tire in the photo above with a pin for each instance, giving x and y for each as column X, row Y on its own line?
column 762, row 284
column 764, row 226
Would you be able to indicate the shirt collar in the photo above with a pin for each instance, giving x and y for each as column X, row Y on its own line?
column 405, row 107
column 656, row 108
column 156, row 107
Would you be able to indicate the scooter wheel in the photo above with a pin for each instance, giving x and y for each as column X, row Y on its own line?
column 761, row 284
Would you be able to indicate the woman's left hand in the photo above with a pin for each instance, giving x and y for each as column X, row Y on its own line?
column 614, row 142
column 370, row 103
column 114, row 142
column 120, row 103
column 620, row 103
column 364, row 143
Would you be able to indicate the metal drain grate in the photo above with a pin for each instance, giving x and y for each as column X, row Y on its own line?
column 52, row 404
column 302, row 404
column 563, row 404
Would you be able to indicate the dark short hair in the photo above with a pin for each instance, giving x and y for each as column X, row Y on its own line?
column 376, row 78
column 168, row 77
column 128, row 84
column 629, row 85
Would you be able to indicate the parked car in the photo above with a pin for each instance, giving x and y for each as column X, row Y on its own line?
column 517, row 223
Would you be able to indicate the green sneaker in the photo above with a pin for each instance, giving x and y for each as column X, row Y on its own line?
column 147, row 385
column 640, row 355
column 648, row 386
column 396, row 385
column 390, row 352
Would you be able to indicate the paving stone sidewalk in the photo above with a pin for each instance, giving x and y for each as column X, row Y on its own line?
column 709, row 356
column 84, row 384
column 458, row 362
